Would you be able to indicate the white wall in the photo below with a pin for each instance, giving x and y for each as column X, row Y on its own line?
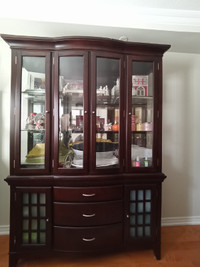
column 181, row 142
column 5, row 73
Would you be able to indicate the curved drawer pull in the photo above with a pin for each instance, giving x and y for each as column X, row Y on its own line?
column 88, row 215
column 88, row 195
column 88, row 239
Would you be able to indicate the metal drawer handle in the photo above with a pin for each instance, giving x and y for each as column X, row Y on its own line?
column 88, row 215
column 88, row 195
column 88, row 239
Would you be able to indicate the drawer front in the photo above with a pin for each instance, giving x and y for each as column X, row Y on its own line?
column 87, row 194
column 88, row 214
column 88, row 239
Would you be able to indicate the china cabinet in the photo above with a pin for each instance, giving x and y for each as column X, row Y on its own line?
column 85, row 153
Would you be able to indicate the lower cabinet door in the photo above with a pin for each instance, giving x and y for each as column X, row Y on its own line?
column 77, row 239
column 141, row 214
column 33, row 214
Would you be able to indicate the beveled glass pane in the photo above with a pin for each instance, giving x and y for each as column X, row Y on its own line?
column 42, row 237
column 34, row 211
column 42, row 198
column 25, row 198
column 42, row 224
column 25, row 225
column 132, row 220
column 33, row 198
column 132, row 207
column 71, row 112
column 132, row 231
column 25, row 238
column 140, row 231
column 142, row 114
column 33, row 101
column 148, row 194
column 147, row 231
column 25, row 211
column 42, row 211
column 147, row 219
column 33, row 224
column 140, row 195
column 140, row 219
column 148, row 207
column 133, row 195
column 140, row 207
column 34, row 238
column 107, row 112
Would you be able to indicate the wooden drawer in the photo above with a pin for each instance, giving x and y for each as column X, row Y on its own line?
column 87, row 214
column 88, row 239
column 87, row 194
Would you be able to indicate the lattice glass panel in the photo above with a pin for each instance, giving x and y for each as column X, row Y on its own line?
column 34, row 218
column 140, row 213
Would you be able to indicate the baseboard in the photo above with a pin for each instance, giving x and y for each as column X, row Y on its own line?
column 4, row 229
column 170, row 221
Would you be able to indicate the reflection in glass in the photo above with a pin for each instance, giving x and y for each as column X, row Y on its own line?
column 33, row 96
column 71, row 116
column 107, row 112
column 142, row 114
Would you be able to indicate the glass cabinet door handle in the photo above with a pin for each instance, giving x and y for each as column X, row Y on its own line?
column 88, row 215
column 88, row 195
column 88, row 239
column 47, row 111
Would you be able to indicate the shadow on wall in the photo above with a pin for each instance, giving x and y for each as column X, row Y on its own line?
column 177, row 140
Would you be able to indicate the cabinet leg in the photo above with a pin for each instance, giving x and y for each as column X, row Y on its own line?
column 13, row 260
column 157, row 251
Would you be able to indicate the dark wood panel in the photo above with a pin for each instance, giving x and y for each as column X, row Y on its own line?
column 87, row 194
column 88, row 239
column 88, row 214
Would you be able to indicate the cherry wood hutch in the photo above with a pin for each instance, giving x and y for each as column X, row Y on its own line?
column 85, row 147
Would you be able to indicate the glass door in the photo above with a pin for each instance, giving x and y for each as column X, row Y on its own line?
column 71, row 140
column 106, row 111
column 34, row 112
column 141, row 114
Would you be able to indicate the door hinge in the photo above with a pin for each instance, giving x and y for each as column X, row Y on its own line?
column 158, row 162
column 52, row 163
column 158, row 114
column 53, row 60
column 15, row 196
column 15, row 60
column 158, row 66
column 14, row 163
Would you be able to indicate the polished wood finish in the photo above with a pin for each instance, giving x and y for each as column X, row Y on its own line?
column 180, row 248
column 89, row 208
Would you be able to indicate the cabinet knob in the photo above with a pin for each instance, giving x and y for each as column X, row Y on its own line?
column 47, row 111
column 127, row 216
column 93, row 112
column 129, row 113
column 85, row 111
column 47, row 220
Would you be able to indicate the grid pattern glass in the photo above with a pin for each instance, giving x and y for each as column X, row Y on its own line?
column 140, row 213
column 33, row 218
